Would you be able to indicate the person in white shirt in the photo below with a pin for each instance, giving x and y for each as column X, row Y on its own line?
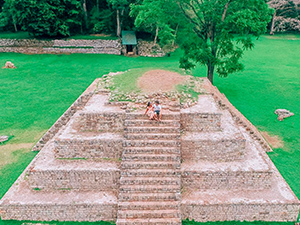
column 157, row 111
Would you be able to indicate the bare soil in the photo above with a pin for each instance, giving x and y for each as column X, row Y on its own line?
column 274, row 141
column 159, row 80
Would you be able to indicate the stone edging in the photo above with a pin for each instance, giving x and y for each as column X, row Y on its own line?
column 64, row 119
column 236, row 114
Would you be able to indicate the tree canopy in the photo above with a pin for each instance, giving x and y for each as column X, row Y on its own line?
column 219, row 31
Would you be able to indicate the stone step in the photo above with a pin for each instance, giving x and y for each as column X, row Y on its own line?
column 151, row 165
column 150, row 188
column 175, row 205
column 129, row 197
column 134, row 214
column 150, row 181
column 150, row 157
column 151, row 143
column 152, row 221
column 153, row 136
column 152, row 123
column 141, row 116
column 154, row 129
column 150, row 173
column 151, row 150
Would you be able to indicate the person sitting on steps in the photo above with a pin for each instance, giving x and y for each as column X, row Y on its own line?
column 149, row 111
column 157, row 111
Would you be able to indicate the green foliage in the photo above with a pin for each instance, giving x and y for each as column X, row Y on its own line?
column 50, row 18
column 157, row 15
column 102, row 22
column 211, row 28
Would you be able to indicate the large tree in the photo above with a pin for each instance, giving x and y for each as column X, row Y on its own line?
column 218, row 31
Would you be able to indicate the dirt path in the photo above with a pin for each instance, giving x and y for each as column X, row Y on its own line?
column 159, row 80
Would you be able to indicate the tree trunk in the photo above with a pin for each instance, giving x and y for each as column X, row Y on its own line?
column 15, row 23
column 85, row 14
column 118, row 23
column 273, row 23
column 175, row 34
column 97, row 7
column 210, row 72
column 156, row 34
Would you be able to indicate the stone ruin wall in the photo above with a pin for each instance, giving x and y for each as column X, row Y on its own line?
column 242, row 212
column 34, row 46
column 68, row 212
column 83, row 180
column 107, row 148
column 114, row 47
column 225, row 151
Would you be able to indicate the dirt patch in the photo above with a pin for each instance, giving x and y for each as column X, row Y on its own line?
column 7, row 151
column 159, row 80
column 16, row 146
column 274, row 141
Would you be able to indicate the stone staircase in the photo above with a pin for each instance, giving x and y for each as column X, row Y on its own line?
column 150, row 171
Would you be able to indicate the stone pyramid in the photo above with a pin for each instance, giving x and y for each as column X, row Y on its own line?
column 100, row 162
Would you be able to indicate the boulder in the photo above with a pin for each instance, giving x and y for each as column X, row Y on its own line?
column 9, row 65
column 3, row 139
column 283, row 113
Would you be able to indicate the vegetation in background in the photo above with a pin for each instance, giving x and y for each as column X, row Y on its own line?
column 286, row 16
column 211, row 27
column 34, row 95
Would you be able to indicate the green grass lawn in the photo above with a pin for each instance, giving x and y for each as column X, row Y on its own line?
column 34, row 95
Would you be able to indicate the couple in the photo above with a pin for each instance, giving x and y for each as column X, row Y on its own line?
column 154, row 111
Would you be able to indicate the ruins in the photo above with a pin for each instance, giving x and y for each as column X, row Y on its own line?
column 100, row 162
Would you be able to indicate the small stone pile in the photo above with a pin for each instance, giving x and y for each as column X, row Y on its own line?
column 9, row 65
column 283, row 113
column 132, row 101
column 147, row 48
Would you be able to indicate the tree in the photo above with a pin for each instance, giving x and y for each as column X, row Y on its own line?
column 284, row 16
column 9, row 15
column 218, row 31
column 159, row 17
column 50, row 18
column 119, row 6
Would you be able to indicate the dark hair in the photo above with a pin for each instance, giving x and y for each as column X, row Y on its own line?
column 148, row 104
column 157, row 102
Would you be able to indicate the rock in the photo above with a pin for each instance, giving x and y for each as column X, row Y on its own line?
column 9, row 65
column 3, row 138
column 283, row 113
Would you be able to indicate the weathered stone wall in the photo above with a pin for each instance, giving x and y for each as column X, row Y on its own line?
column 83, row 180
column 95, row 148
column 64, row 119
column 102, row 122
column 195, row 122
column 230, row 180
column 60, row 46
column 68, row 212
column 146, row 48
column 216, row 151
column 240, row 212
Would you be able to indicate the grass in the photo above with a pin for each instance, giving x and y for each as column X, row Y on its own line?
column 14, row 35
column 127, row 82
column 35, row 94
